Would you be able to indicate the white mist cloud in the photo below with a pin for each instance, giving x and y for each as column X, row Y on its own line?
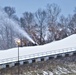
column 5, row 20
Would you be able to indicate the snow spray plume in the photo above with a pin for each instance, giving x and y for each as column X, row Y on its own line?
column 5, row 20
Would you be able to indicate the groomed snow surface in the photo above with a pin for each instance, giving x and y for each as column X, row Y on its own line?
column 65, row 45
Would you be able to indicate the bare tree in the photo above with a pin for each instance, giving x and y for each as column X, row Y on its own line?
column 72, row 24
column 9, row 10
column 28, row 24
column 41, row 24
column 53, row 11
column 9, row 33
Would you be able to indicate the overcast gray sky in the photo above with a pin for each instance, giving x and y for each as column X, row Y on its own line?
column 67, row 6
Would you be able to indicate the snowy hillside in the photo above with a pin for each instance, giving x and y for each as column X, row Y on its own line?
column 65, row 45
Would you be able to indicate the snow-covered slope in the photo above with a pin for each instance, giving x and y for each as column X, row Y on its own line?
column 65, row 45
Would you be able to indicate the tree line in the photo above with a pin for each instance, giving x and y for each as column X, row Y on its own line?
column 43, row 26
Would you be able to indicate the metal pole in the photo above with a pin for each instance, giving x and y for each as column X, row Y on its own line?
column 18, row 59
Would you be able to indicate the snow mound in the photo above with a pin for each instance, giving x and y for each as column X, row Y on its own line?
column 67, row 42
column 65, row 45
